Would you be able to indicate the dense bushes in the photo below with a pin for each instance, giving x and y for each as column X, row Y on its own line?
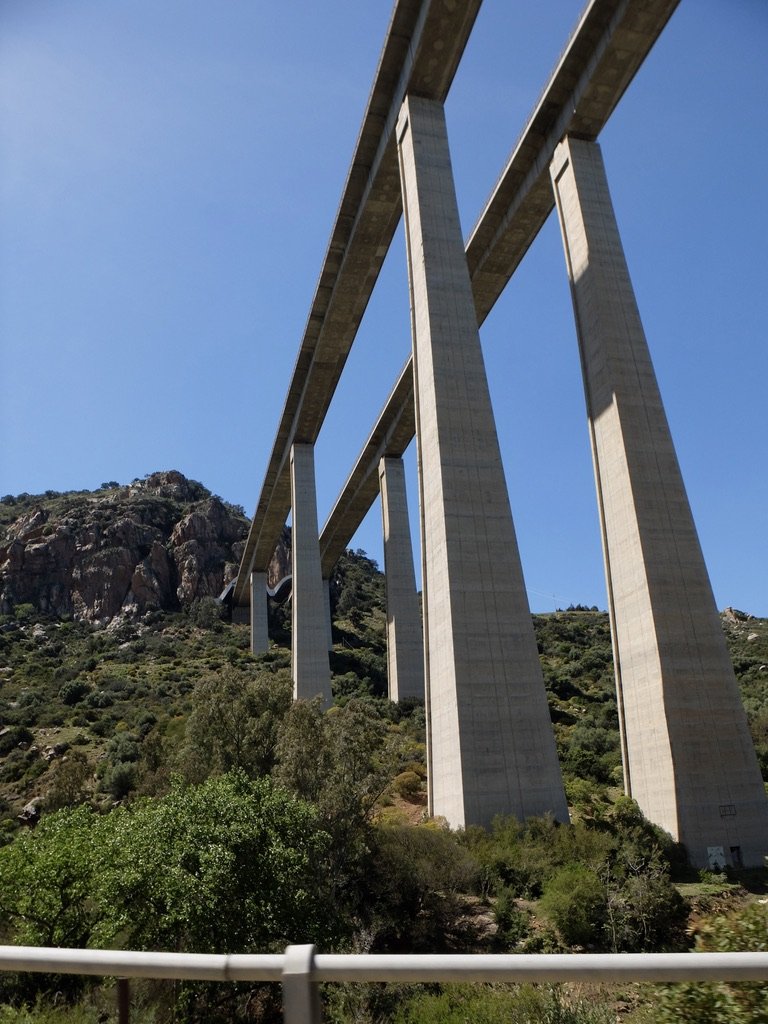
column 604, row 883
column 723, row 1003
column 417, row 879
column 232, row 865
column 500, row 1004
column 320, row 801
column 229, row 865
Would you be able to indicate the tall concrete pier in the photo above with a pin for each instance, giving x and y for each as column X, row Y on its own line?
column 405, row 644
column 490, row 743
column 259, row 623
column 310, row 667
column 689, row 760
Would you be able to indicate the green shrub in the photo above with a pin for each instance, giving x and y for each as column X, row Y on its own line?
column 499, row 1004
column 416, row 878
column 74, row 691
column 407, row 784
column 512, row 922
column 575, row 901
column 98, row 699
column 121, row 779
column 745, row 931
column 13, row 738
column 206, row 613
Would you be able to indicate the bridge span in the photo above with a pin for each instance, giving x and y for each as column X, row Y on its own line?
column 687, row 755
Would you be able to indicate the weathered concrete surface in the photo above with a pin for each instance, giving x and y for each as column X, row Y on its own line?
column 605, row 51
column 491, row 747
column 259, row 633
column 405, row 640
column 327, row 601
column 310, row 667
column 688, row 755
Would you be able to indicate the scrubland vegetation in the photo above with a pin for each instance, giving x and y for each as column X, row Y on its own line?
column 185, row 803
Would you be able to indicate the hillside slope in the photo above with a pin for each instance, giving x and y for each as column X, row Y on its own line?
column 108, row 624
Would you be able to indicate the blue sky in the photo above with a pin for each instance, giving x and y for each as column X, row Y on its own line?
column 169, row 175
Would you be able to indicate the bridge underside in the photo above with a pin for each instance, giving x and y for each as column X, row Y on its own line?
column 688, row 758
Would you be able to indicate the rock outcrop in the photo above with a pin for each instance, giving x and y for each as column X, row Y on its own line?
column 160, row 543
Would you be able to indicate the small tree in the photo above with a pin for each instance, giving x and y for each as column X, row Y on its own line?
column 575, row 901
column 70, row 781
column 234, row 723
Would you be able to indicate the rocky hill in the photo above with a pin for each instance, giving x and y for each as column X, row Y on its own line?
column 157, row 544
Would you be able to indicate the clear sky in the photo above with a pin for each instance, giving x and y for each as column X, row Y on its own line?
column 169, row 176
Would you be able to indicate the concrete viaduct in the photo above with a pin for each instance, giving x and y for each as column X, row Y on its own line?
column 687, row 754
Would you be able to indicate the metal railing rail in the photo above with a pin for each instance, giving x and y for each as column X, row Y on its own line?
column 300, row 969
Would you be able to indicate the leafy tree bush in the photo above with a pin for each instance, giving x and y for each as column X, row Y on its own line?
column 512, row 922
column 47, row 880
column 206, row 612
column 121, row 779
column 408, row 784
column 575, row 900
column 617, row 862
column 413, row 896
column 74, row 691
column 230, row 866
column 123, row 747
column 723, row 1003
column 70, row 781
column 13, row 738
column 234, row 723
column 357, row 585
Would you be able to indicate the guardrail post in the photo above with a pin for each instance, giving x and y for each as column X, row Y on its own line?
column 301, row 999
column 123, row 1001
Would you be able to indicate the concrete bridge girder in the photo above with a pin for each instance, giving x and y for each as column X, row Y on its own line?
column 424, row 43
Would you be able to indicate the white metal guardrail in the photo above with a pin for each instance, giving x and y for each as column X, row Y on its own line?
column 300, row 969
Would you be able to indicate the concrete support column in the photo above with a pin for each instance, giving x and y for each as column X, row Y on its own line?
column 405, row 644
column 309, row 637
column 689, row 760
column 329, row 624
column 491, row 746
column 259, row 635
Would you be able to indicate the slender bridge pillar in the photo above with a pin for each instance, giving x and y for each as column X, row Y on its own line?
column 491, row 747
column 689, row 760
column 259, row 634
column 327, row 606
column 405, row 644
column 309, row 623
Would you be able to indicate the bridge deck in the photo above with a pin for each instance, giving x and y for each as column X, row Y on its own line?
column 606, row 49
column 422, row 49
